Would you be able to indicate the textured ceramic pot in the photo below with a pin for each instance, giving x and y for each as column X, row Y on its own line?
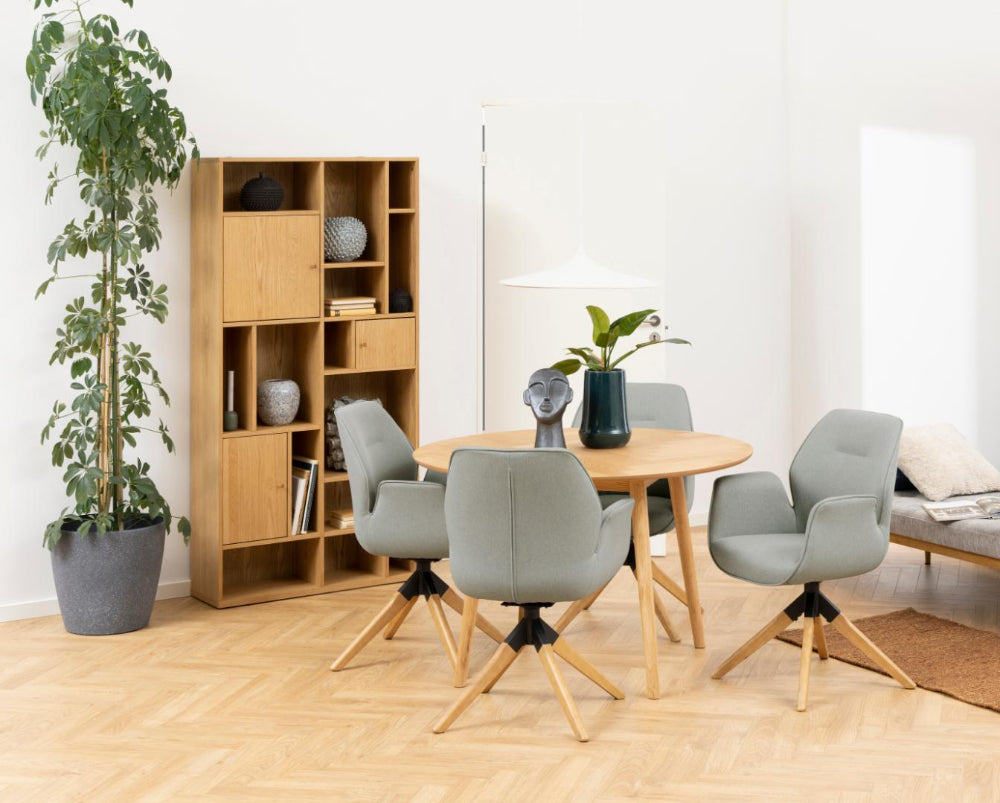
column 344, row 239
column 277, row 401
column 604, row 424
column 107, row 583
column 262, row 194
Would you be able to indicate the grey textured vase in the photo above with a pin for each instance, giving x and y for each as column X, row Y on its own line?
column 107, row 584
column 277, row 401
column 344, row 239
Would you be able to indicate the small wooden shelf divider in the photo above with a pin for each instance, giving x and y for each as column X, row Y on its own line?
column 258, row 283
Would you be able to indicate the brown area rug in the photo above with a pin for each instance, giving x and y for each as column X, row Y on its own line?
column 939, row 655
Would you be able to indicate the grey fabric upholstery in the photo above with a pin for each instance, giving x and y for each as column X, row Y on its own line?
column 655, row 405
column 979, row 536
column 526, row 526
column 395, row 514
column 842, row 483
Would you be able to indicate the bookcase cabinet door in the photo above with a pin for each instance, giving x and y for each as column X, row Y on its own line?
column 255, row 488
column 386, row 344
column 270, row 267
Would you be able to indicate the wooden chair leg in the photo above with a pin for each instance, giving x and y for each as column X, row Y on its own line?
column 562, row 648
column 457, row 603
column 547, row 656
column 662, row 579
column 804, row 662
column 820, row 638
column 492, row 683
column 386, row 615
column 393, row 626
column 502, row 658
column 863, row 643
column 469, row 612
column 758, row 640
column 593, row 597
column 444, row 631
column 570, row 614
column 661, row 613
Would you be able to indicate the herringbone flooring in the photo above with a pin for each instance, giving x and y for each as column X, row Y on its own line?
column 240, row 705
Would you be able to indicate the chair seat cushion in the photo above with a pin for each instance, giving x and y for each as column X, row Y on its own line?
column 661, row 514
column 909, row 519
column 767, row 559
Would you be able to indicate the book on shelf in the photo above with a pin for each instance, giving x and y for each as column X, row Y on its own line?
column 312, row 467
column 341, row 518
column 300, row 483
column 350, row 302
column 357, row 312
column 987, row 507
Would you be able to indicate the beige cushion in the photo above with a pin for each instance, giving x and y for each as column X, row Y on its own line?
column 940, row 462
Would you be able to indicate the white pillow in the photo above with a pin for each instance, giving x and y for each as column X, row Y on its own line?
column 940, row 462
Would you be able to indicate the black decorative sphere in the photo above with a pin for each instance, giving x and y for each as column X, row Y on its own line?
column 262, row 194
column 400, row 301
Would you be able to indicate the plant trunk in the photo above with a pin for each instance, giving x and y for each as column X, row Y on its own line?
column 103, row 424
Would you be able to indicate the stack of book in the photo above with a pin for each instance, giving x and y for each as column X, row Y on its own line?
column 305, row 475
column 342, row 518
column 350, row 307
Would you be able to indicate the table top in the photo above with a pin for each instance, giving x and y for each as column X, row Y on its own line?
column 650, row 454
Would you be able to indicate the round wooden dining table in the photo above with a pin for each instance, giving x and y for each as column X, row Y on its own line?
column 650, row 455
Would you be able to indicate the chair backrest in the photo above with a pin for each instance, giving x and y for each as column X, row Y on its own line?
column 657, row 405
column 521, row 522
column 375, row 450
column 847, row 452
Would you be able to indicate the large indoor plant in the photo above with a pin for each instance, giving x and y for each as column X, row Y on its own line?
column 101, row 94
column 604, row 423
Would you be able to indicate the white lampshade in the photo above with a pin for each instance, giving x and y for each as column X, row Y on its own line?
column 580, row 272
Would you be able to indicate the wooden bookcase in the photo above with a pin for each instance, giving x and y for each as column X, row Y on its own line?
column 258, row 280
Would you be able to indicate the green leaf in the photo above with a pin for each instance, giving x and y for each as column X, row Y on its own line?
column 601, row 325
column 627, row 324
column 567, row 366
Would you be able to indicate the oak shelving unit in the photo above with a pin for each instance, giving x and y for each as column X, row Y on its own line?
column 258, row 280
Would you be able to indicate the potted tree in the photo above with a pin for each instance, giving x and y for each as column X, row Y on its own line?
column 604, row 424
column 100, row 94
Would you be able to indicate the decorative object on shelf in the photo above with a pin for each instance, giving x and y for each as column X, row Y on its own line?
column 605, row 411
column 334, row 449
column 278, row 401
column 262, row 194
column 547, row 394
column 230, row 421
column 344, row 239
column 400, row 300
column 107, row 542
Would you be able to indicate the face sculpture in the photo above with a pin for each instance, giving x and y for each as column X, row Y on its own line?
column 548, row 394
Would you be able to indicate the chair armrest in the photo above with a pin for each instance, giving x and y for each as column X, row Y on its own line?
column 419, row 504
column 843, row 539
column 612, row 541
column 749, row 504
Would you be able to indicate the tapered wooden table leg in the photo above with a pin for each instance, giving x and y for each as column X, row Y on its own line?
column 644, row 579
column 469, row 610
column 678, row 500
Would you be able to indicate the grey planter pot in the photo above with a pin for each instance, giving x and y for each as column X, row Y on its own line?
column 107, row 584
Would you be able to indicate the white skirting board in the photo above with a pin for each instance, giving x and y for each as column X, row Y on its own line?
column 50, row 606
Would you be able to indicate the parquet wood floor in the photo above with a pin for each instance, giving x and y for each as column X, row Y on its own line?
column 240, row 704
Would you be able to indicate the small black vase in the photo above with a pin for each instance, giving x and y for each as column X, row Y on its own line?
column 261, row 194
column 400, row 301
column 605, row 415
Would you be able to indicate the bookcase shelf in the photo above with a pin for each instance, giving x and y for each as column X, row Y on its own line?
column 258, row 284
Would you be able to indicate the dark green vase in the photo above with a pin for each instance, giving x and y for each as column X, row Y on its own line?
column 605, row 415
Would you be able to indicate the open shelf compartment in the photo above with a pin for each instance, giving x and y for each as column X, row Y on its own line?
column 293, row 351
column 360, row 190
column 239, row 354
column 403, row 256
column 345, row 563
column 395, row 389
column 350, row 282
column 402, row 184
column 302, row 182
column 272, row 571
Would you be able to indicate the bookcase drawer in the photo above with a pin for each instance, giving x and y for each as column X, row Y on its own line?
column 386, row 343
column 255, row 488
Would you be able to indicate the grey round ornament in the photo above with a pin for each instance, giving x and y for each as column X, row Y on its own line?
column 344, row 239
column 277, row 401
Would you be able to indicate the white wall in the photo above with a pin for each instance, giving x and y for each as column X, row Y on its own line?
column 387, row 78
column 926, row 69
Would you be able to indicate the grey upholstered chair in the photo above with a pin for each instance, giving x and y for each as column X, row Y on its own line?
column 527, row 529
column 397, row 515
column 837, row 526
column 652, row 405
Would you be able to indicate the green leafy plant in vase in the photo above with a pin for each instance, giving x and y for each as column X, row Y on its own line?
column 604, row 422
column 102, row 96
